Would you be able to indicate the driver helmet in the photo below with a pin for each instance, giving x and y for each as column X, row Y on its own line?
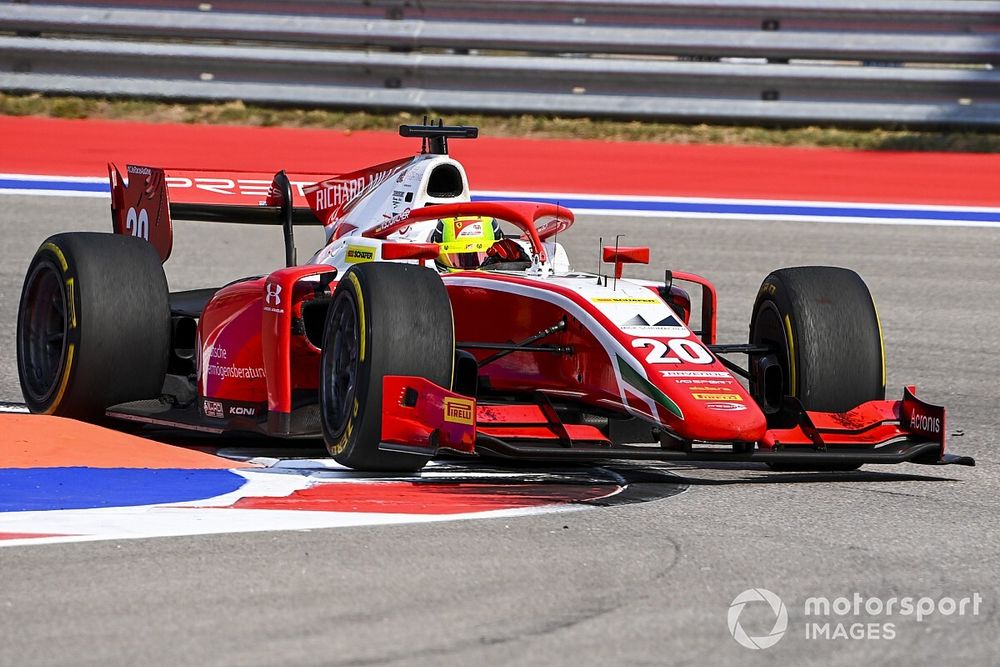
column 464, row 240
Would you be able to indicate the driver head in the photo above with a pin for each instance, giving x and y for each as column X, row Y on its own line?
column 464, row 240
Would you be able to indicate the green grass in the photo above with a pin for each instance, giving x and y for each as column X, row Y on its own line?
column 237, row 113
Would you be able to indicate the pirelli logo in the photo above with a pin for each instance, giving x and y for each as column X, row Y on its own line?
column 357, row 254
column 459, row 411
column 717, row 397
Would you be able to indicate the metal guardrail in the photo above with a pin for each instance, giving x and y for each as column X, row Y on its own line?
column 882, row 15
column 729, row 61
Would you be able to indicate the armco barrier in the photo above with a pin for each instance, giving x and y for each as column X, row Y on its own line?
column 792, row 61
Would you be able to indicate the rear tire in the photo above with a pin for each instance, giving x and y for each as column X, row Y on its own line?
column 93, row 325
column 385, row 319
column 825, row 329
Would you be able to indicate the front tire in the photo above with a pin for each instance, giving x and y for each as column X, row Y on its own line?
column 385, row 319
column 822, row 323
column 93, row 325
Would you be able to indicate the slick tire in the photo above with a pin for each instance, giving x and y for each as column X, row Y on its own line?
column 825, row 329
column 385, row 319
column 93, row 325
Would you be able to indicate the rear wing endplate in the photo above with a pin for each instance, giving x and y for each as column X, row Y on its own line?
column 146, row 202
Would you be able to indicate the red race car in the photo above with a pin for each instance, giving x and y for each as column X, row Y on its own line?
column 430, row 324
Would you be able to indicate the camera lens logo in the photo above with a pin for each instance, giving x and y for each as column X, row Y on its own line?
column 780, row 618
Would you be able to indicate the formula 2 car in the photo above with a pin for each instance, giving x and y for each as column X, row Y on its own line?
column 394, row 354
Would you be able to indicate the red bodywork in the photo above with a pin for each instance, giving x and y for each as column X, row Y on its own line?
column 247, row 351
column 250, row 326
column 257, row 361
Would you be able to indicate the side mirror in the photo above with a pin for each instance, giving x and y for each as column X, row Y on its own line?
column 625, row 255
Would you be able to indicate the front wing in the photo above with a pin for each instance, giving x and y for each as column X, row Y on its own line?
column 421, row 417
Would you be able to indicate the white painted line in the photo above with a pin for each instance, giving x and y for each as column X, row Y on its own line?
column 637, row 206
column 125, row 523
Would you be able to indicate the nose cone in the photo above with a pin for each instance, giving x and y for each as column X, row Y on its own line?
column 721, row 421
column 705, row 403
column 711, row 405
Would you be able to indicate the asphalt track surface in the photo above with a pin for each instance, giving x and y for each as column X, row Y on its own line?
column 647, row 583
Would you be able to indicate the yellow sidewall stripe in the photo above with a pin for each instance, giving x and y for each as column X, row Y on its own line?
column 71, row 302
column 345, row 437
column 54, row 249
column 791, row 356
column 361, row 310
column 67, row 369
column 881, row 340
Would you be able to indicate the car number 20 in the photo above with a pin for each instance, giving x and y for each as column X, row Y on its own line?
column 674, row 351
column 137, row 223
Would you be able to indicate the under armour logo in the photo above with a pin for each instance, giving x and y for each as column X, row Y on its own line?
column 273, row 294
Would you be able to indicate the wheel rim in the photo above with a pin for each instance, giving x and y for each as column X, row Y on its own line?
column 340, row 364
column 768, row 330
column 41, row 341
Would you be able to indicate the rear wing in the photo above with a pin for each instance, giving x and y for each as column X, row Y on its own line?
column 146, row 202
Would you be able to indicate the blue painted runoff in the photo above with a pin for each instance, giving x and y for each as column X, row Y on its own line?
column 32, row 489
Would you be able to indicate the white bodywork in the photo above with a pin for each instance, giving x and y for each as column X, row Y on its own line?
column 388, row 197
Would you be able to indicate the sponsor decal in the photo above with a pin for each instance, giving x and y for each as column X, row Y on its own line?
column 468, row 228
column 227, row 409
column 142, row 171
column 695, row 374
column 357, row 254
column 667, row 327
column 218, row 353
column 274, row 195
column 334, row 192
column 639, row 321
column 705, row 381
column 922, row 418
column 717, row 397
column 272, row 298
column 237, row 372
column 625, row 299
column 241, row 410
column 389, row 220
column 247, row 187
column 925, row 423
column 337, row 196
column 769, row 289
column 726, row 407
column 459, row 245
column 211, row 408
column 273, row 294
column 459, row 410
